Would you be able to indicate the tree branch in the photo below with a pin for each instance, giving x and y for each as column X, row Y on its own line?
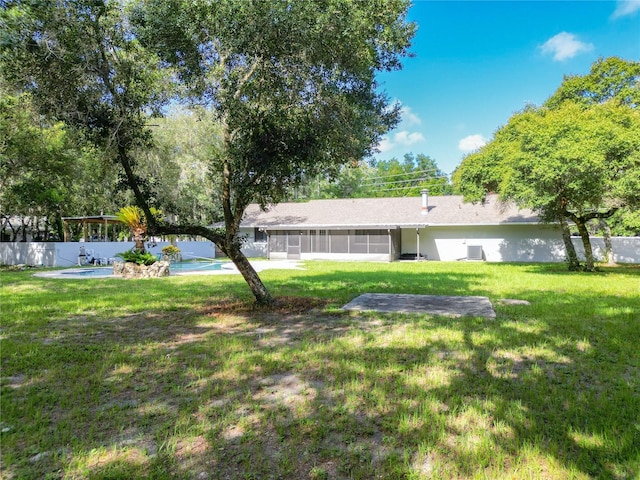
column 589, row 216
column 245, row 78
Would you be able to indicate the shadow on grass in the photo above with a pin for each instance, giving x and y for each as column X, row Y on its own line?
column 208, row 391
column 341, row 286
column 631, row 270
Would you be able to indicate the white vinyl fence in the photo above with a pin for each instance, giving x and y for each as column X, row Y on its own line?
column 625, row 249
column 65, row 254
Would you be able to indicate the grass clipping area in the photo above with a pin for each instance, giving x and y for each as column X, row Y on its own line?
column 181, row 377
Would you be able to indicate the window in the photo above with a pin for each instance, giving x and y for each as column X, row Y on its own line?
column 259, row 235
column 360, row 237
column 305, row 241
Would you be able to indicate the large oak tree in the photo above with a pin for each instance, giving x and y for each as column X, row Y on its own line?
column 292, row 85
column 577, row 158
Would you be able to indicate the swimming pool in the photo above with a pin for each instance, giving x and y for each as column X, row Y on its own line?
column 179, row 268
column 199, row 266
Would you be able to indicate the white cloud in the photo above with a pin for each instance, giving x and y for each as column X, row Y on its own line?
column 565, row 45
column 385, row 145
column 409, row 117
column 472, row 143
column 626, row 7
column 402, row 138
column 405, row 138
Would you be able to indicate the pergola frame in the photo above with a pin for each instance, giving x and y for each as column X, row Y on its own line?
column 99, row 220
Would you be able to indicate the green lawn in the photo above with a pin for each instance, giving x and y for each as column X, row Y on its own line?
column 181, row 378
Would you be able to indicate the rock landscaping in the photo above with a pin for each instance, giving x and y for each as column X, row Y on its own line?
column 134, row 270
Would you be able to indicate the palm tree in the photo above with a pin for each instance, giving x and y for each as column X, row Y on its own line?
column 133, row 217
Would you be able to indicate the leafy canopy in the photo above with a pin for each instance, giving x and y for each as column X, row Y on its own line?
column 292, row 83
column 575, row 158
column 609, row 78
column 578, row 153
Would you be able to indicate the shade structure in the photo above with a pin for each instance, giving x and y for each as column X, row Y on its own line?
column 100, row 220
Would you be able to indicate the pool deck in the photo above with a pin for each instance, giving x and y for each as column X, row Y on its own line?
column 76, row 273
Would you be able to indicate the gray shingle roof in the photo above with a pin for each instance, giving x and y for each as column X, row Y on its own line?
column 385, row 212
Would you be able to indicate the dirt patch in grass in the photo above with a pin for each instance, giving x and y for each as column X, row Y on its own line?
column 286, row 389
column 281, row 306
column 192, row 455
column 284, row 322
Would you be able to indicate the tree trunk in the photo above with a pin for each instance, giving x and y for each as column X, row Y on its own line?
column 59, row 228
column 260, row 292
column 25, row 229
column 608, row 246
column 588, row 252
column 138, row 238
column 572, row 256
column 14, row 232
column 227, row 243
column 35, row 229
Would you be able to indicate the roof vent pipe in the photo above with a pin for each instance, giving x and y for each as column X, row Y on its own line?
column 425, row 201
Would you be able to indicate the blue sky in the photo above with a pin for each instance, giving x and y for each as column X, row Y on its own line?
column 478, row 62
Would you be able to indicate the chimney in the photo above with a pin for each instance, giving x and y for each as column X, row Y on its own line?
column 425, row 201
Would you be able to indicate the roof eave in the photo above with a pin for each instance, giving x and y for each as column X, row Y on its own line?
column 380, row 226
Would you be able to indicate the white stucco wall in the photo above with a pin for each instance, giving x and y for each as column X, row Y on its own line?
column 500, row 243
column 250, row 248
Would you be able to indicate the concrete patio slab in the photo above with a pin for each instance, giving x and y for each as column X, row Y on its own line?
column 453, row 306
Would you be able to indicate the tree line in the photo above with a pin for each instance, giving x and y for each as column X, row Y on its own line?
column 380, row 178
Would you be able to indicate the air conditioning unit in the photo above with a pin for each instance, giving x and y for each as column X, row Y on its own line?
column 474, row 252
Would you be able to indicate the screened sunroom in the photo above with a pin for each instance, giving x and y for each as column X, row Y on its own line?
column 318, row 244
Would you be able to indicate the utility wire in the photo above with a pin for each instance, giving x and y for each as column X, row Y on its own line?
column 408, row 187
column 421, row 179
column 397, row 188
column 431, row 170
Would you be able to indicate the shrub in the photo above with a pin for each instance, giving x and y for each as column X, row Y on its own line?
column 145, row 258
column 170, row 250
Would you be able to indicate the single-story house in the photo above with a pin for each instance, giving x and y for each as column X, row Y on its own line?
column 387, row 229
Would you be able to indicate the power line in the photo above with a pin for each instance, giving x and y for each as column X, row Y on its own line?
column 393, row 189
column 381, row 184
column 431, row 170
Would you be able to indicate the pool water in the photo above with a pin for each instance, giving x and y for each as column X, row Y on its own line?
column 175, row 268
column 87, row 272
column 200, row 266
